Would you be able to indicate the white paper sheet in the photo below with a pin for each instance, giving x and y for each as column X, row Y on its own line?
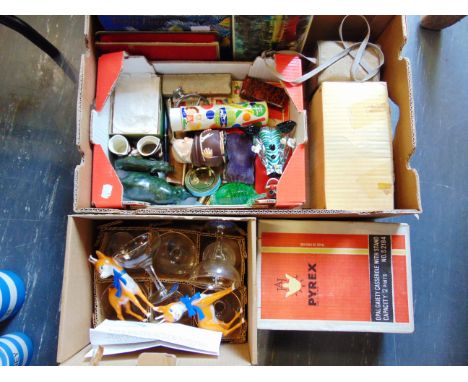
column 126, row 336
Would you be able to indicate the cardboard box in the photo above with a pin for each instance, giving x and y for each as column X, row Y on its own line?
column 76, row 307
column 334, row 276
column 351, row 147
column 77, row 291
column 107, row 190
column 388, row 31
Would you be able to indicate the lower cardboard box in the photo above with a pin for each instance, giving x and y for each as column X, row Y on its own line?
column 298, row 275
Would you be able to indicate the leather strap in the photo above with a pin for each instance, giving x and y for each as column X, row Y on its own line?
column 268, row 57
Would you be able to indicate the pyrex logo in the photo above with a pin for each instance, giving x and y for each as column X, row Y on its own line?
column 312, row 284
column 289, row 284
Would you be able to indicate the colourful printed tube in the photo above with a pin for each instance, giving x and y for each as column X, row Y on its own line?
column 190, row 118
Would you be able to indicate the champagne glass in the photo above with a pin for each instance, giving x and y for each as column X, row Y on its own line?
column 115, row 240
column 177, row 255
column 226, row 307
column 138, row 253
column 216, row 270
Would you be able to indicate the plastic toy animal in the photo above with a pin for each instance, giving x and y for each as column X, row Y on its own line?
column 124, row 289
column 151, row 166
column 202, row 305
column 272, row 145
column 235, row 194
column 144, row 187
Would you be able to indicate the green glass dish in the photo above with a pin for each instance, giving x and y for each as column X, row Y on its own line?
column 202, row 181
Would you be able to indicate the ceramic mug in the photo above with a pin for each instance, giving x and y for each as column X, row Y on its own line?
column 16, row 349
column 148, row 145
column 12, row 294
column 119, row 145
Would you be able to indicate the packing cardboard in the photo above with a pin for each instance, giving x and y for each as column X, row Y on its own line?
column 387, row 31
column 334, row 276
column 351, row 147
column 76, row 305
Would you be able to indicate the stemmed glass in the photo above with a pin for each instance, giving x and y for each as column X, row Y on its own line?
column 177, row 255
column 138, row 253
column 216, row 270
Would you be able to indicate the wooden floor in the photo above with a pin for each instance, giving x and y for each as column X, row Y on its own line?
column 37, row 132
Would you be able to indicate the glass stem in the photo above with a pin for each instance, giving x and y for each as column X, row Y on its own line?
column 157, row 282
column 218, row 251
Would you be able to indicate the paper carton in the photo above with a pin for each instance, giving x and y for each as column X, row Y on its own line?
column 334, row 276
column 77, row 299
column 351, row 147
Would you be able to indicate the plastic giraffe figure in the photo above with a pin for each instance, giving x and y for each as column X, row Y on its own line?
column 124, row 289
column 201, row 304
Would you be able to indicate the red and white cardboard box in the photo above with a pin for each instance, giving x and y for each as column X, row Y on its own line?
column 334, row 276
column 107, row 190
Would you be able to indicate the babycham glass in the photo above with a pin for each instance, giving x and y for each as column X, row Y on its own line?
column 138, row 253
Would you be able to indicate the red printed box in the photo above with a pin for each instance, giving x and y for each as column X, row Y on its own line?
column 340, row 276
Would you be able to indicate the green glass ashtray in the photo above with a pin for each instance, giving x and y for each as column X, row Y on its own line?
column 202, row 181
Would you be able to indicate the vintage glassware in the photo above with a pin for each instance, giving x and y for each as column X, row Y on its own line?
column 216, row 270
column 115, row 240
column 226, row 308
column 138, row 253
column 176, row 256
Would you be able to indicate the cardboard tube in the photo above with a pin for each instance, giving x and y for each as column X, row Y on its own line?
column 224, row 116
column 148, row 145
column 119, row 145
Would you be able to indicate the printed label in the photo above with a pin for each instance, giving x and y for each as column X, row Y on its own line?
column 380, row 267
column 106, row 191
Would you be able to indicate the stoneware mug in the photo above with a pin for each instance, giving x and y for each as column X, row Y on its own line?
column 148, row 145
column 119, row 145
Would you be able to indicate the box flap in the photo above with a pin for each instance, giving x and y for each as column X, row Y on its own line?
column 334, row 276
column 76, row 300
column 107, row 190
column 100, row 125
column 110, row 66
column 291, row 188
column 156, row 359
column 291, row 68
column 288, row 66
column 397, row 73
column 230, row 355
column 108, row 71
